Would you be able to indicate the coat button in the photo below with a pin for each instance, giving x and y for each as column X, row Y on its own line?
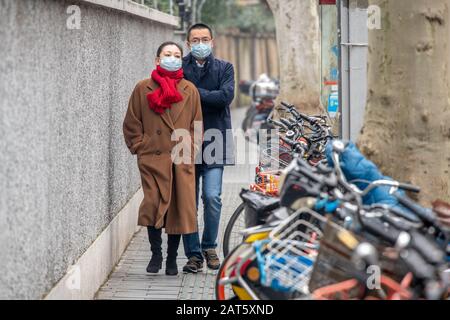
column 158, row 132
column 158, row 153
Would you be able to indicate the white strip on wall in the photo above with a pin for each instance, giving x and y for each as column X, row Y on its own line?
column 86, row 276
column 138, row 9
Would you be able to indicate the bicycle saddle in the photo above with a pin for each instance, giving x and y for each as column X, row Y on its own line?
column 259, row 202
column 442, row 210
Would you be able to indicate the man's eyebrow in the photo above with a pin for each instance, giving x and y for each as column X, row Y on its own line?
column 202, row 38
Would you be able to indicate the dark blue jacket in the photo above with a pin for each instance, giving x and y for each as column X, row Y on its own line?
column 215, row 83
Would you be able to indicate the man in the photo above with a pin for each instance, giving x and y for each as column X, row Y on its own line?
column 214, row 80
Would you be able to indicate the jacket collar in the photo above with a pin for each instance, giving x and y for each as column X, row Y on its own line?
column 171, row 116
column 191, row 60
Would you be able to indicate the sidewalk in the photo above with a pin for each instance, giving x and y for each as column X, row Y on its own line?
column 129, row 280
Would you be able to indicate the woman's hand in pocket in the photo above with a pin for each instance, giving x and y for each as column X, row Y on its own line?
column 142, row 144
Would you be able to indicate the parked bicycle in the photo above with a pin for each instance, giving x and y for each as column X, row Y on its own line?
column 327, row 231
column 300, row 136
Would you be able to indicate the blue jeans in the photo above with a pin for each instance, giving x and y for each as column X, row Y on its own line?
column 212, row 206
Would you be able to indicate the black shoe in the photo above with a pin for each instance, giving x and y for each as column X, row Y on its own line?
column 171, row 267
column 155, row 264
column 154, row 237
column 193, row 265
column 212, row 260
column 173, row 242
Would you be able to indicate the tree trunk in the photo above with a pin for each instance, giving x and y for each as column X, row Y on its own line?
column 407, row 123
column 298, row 38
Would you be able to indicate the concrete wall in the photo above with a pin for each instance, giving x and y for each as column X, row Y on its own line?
column 65, row 171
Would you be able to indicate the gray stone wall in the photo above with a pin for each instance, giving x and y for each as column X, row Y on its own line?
column 65, row 170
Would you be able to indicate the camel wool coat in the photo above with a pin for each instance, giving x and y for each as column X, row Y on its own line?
column 169, row 186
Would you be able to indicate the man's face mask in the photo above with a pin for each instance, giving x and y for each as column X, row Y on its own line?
column 201, row 50
column 170, row 63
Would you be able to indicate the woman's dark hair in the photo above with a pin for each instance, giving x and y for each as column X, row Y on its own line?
column 165, row 44
column 198, row 26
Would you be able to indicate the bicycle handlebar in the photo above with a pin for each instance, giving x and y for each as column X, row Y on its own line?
column 409, row 187
column 389, row 183
column 297, row 114
column 296, row 146
column 287, row 123
column 313, row 119
column 378, row 228
column 429, row 250
column 278, row 123
column 288, row 141
column 424, row 214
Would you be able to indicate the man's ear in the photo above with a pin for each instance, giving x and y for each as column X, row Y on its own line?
column 212, row 43
column 188, row 45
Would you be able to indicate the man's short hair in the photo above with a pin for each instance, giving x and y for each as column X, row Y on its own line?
column 198, row 26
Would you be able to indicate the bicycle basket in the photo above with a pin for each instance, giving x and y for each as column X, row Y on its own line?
column 287, row 257
column 274, row 158
column 334, row 261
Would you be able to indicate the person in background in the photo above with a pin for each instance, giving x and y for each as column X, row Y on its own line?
column 215, row 82
column 158, row 106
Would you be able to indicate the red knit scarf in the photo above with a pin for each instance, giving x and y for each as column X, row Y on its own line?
column 163, row 97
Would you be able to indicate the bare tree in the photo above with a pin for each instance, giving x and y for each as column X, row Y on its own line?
column 407, row 122
column 298, row 38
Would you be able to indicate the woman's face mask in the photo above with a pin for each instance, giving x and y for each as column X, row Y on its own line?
column 170, row 63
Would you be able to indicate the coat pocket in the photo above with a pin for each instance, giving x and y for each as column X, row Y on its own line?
column 144, row 144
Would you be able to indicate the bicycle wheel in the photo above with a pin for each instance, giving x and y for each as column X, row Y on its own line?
column 232, row 238
column 221, row 291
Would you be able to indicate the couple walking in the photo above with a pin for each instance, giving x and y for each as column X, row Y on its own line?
column 182, row 93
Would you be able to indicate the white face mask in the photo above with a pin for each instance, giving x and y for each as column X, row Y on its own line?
column 201, row 50
column 170, row 63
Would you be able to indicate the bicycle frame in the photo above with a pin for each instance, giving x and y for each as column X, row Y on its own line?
column 391, row 289
column 233, row 269
column 245, row 253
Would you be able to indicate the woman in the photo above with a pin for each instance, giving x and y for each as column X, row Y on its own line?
column 158, row 106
